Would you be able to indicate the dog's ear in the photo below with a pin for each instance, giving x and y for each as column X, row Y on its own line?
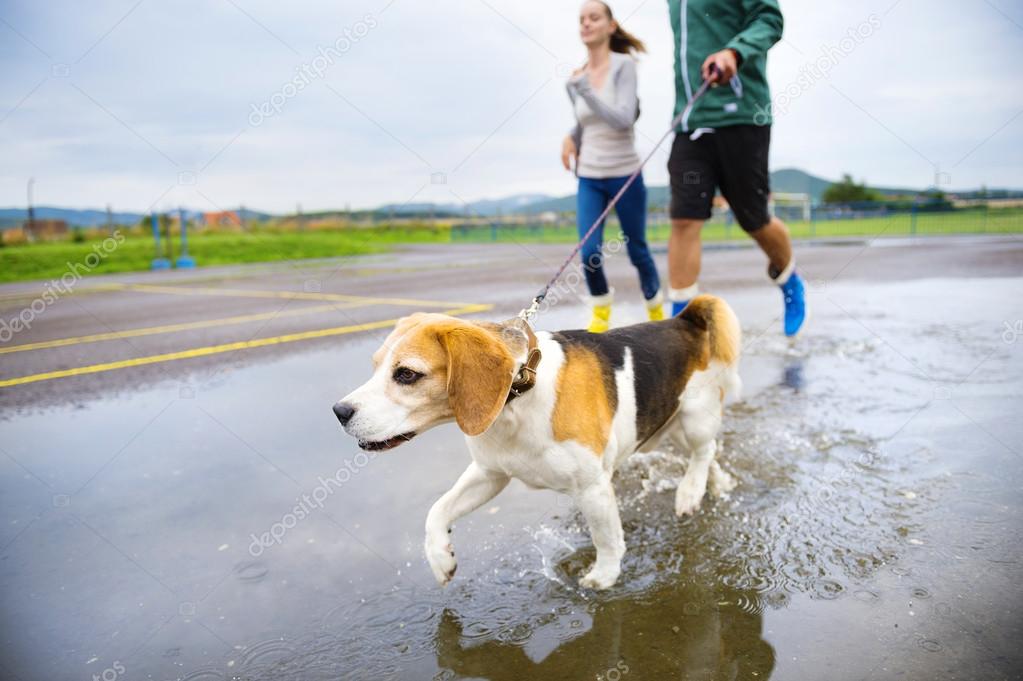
column 480, row 369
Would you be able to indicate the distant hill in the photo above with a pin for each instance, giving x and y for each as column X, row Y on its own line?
column 796, row 181
column 786, row 180
column 793, row 180
column 89, row 217
column 783, row 181
column 516, row 203
column 13, row 217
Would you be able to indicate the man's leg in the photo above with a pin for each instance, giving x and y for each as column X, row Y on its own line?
column 692, row 173
column 745, row 184
column 773, row 239
column 683, row 262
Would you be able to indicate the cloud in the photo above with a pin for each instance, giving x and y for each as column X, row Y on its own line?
column 110, row 105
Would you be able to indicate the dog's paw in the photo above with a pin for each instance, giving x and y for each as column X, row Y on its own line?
column 600, row 578
column 442, row 561
column 687, row 499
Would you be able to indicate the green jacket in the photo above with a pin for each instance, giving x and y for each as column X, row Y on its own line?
column 702, row 27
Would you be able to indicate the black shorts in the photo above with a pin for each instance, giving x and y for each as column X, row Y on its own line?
column 732, row 158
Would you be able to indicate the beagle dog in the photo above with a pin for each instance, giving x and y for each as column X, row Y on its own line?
column 557, row 410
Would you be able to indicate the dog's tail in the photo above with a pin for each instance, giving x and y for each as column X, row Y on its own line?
column 724, row 335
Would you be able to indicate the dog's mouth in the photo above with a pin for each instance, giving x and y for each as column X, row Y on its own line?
column 389, row 443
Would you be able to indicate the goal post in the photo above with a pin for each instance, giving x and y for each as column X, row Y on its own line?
column 791, row 206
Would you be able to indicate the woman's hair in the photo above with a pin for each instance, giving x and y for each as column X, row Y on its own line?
column 621, row 40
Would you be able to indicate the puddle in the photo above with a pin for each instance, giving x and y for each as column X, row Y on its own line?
column 874, row 521
column 816, row 514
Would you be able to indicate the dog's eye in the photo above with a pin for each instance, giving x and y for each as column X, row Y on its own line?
column 406, row 376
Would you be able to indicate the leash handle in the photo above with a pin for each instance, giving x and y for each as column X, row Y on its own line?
column 529, row 313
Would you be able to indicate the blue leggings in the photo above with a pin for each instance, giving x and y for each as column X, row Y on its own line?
column 591, row 200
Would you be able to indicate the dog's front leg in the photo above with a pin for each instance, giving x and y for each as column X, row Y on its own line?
column 475, row 487
column 599, row 506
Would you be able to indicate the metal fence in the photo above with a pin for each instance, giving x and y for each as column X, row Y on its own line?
column 865, row 219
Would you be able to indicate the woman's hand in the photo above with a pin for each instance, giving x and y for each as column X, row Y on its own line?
column 568, row 151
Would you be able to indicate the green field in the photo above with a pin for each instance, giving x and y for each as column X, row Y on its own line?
column 970, row 221
column 51, row 260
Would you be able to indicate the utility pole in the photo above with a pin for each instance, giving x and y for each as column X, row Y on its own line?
column 241, row 216
column 298, row 213
column 110, row 220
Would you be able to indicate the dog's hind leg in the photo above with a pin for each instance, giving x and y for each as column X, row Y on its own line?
column 719, row 482
column 599, row 506
column 700, row 423
column 694, row 485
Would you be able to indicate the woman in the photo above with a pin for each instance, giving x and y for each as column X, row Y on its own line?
column 603, row 95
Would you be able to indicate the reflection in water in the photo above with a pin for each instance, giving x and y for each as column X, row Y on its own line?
column 793, row 376
column 690, row 631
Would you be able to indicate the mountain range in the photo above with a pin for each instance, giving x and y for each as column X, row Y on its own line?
column 784, row 180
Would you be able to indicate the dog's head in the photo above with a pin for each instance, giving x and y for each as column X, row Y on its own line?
column 432, row 369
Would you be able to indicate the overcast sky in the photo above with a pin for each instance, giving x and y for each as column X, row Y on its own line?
column 150, row 103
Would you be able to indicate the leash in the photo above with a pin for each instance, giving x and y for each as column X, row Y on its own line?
column 529, row 313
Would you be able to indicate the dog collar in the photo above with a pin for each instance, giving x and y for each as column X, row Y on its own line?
column 525, row 379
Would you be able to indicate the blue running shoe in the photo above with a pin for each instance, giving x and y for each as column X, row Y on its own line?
column 795, row 304
column 677, row 306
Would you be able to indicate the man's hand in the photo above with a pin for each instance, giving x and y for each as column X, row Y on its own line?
column 727, row 63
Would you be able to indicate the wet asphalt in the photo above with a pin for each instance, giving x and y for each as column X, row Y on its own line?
column 200, row 514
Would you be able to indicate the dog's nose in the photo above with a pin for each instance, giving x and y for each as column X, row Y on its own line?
column 344, row 412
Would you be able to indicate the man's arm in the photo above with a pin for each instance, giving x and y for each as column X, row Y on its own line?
column 762, row 28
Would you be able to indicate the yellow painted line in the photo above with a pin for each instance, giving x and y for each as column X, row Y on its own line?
column 32, row 295
column 288, row 295
column 217, row 349
column 171, row 328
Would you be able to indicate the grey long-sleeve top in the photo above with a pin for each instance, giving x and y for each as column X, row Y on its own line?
column 603, row 133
